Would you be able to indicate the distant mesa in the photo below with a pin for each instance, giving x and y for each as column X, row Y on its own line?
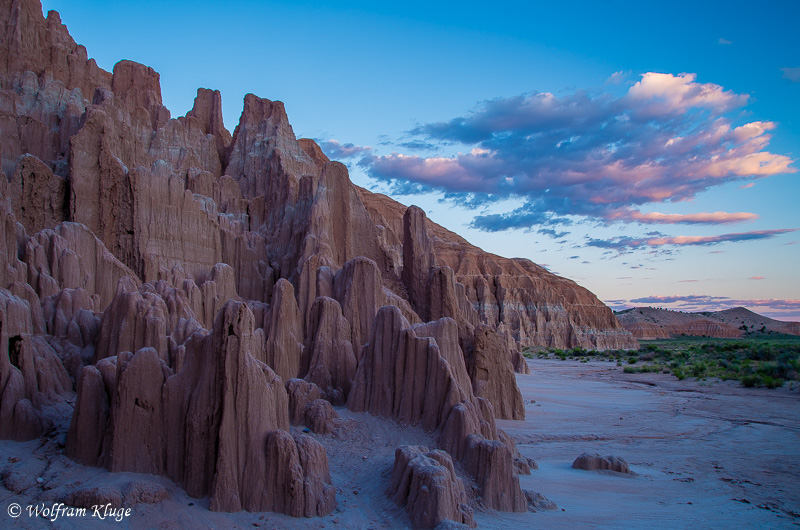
column 647, row 323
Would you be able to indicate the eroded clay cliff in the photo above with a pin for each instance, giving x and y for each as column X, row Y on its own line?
column 180, row 296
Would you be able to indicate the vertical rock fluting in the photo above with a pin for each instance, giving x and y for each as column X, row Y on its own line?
column 87, row 430
column 492, row 375
column 418, row 259
column 538, row 307
column 132, row 321
column 33, row 381
column 209, row 427
column 332, row 364
column 284, row 351
column 359, row 290
column 207, row 110
column 403, row 376
column 406, row 375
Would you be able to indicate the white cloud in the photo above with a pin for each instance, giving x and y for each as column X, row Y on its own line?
column 792, row 74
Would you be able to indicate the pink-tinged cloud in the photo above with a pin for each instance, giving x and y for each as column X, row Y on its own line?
column 674, row 218
column 597, row 156
column 712, row 240
column 626, row 244
column 464, row 173
column 666, row 94
column 756, row 278
column 747, row 186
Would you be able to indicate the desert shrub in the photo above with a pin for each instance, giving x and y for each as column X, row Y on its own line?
column 631, row 360
column 647, row 356
column 699, row 369
column 751, row 380
column 772, row 382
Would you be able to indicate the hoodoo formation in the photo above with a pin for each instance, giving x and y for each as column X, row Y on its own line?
column 179, row 296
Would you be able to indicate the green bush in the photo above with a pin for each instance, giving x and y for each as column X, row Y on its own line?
column 751, row 380
column 772, row 382
column 699, row 369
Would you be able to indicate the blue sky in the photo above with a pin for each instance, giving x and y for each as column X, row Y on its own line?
column 649, row 153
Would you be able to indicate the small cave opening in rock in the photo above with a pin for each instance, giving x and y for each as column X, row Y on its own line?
column 14, row 350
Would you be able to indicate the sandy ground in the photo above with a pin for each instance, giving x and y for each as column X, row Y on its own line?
column 706, row 455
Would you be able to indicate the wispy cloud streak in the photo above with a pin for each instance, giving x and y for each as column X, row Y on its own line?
column 623, row 243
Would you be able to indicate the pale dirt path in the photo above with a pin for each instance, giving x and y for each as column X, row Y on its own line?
column 697, row 448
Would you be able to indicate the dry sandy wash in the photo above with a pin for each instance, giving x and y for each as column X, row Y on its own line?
column 705, row 455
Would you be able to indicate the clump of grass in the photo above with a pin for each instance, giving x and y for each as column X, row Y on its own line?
column 643, row 369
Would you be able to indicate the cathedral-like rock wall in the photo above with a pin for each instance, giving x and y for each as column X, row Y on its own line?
column 177, row 293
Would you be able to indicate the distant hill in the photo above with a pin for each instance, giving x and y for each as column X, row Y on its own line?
column 651, row 323
column 740, row 316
